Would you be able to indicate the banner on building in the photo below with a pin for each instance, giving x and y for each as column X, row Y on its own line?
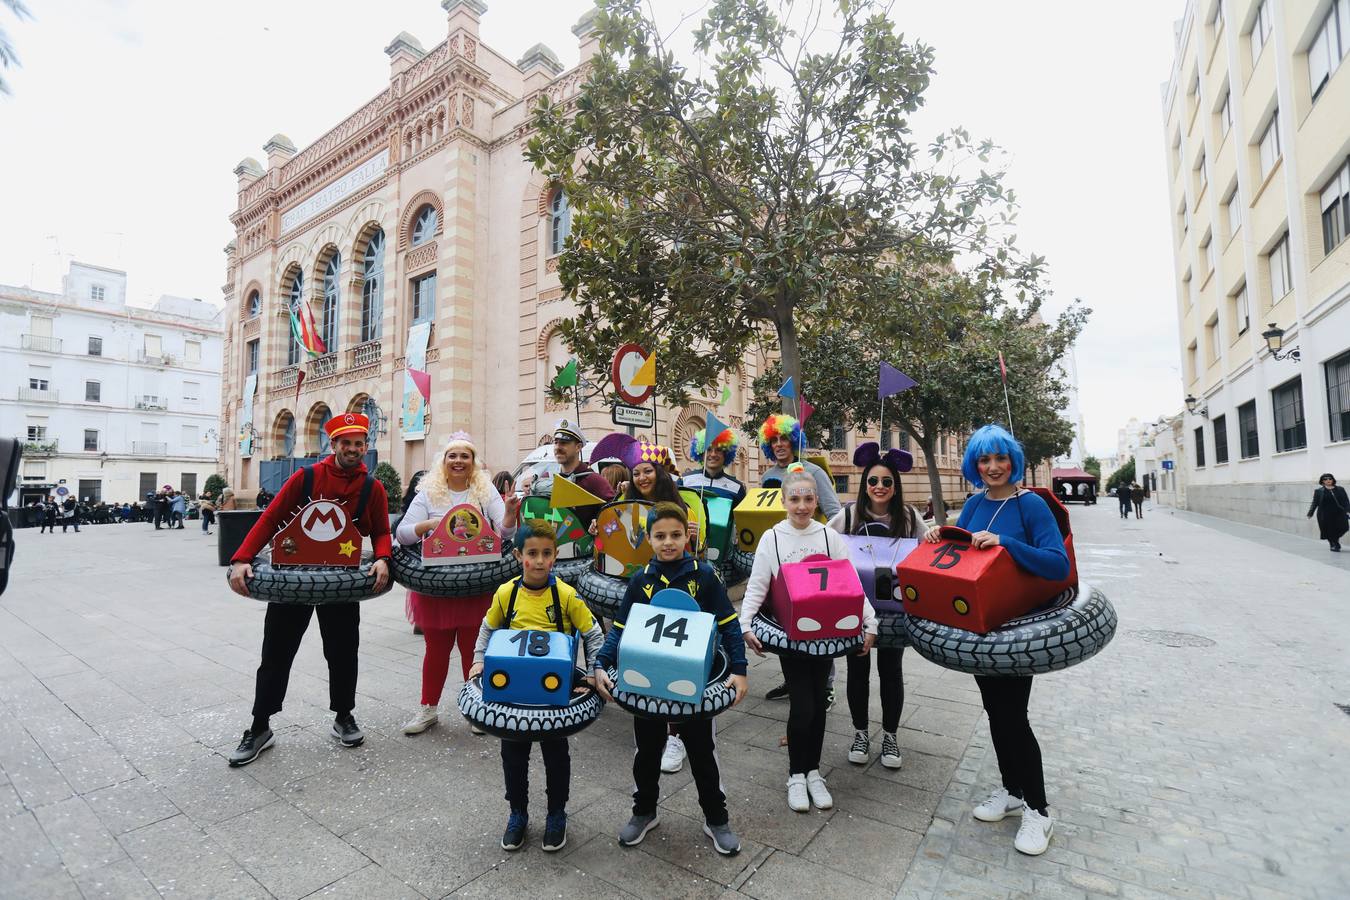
column 415, row 395
column 246, row 417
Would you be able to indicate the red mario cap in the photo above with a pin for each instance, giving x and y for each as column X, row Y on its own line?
column 347, row 423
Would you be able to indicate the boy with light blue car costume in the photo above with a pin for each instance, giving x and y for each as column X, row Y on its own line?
column 673, row 567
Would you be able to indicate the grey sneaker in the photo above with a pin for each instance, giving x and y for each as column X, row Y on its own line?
column 250, row 748
column 636, row 829
column 348, row 732
column 723, row 838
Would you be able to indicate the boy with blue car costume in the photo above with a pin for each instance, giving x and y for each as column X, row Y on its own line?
column 673, row 567
column 532, row 605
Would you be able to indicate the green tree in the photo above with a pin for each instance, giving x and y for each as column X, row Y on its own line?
column 7, row 55
column 1093, row 466
column 387, row 475
column 727, row 211
column 949, row 344
column 1124, row 475
column 214, row 485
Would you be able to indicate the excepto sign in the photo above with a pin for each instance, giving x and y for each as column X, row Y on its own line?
column 627, row 360
column 636, row 416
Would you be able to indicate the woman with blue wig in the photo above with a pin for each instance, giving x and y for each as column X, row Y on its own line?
column 1003, row 514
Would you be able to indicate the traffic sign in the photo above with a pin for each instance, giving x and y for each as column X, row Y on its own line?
column 628, row 359
column 62, row 491
column 636, row 416
column 1168, row 464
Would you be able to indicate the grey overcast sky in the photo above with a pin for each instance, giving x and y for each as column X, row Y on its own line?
column 128, row 116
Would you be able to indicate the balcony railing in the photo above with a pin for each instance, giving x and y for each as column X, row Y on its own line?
column 146, row 401
column 362, row 355
column 149, row 448
column 323, row 365
column 155, row 359
column 38, row 395
column 41, row 343
column 286, row 377
column 40, row 447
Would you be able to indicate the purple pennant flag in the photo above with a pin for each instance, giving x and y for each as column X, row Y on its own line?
column 893, row 381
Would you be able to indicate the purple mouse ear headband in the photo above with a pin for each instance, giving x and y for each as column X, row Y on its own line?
column 869, row 453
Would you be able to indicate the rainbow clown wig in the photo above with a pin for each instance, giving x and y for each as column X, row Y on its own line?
column 989, row 440
column 780, row 425
column 727, row 442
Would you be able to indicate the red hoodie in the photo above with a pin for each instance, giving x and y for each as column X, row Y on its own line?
column 331, row 482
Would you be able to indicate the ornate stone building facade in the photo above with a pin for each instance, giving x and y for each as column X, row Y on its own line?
column 416, row 222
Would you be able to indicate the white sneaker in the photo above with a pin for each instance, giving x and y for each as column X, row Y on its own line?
column 1033, row 835
column 425, row 718
column 672, row 760
column 997, row 805
column 858, row 751
column 815, row 786
column 890, row 750
column 798, row 799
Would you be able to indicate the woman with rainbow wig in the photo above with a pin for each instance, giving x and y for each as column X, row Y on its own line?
column 1005, row 515
column 714, row 459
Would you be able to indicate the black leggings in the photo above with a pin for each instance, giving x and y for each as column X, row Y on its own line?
column 1019, row 756
column 892, row 687
column 808, row 682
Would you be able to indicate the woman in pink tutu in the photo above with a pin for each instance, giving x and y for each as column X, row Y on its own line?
column 447, row 622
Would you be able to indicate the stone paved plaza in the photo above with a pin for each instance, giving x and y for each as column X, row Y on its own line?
column 1203, row 754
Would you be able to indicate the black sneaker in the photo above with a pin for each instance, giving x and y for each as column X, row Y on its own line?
column 829, row 698
column 778, row 693
column 348, row 732
column 515, row 830
column 251, row 747
column 555, row 832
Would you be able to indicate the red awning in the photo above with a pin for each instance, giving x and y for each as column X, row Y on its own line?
column 1073, row 474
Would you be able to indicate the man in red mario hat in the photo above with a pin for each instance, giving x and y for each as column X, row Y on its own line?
column 342, row 478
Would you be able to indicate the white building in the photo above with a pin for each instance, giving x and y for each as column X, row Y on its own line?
column 1160, row 461
column 111, row 400
column 1073, row 413
column 1257, row 141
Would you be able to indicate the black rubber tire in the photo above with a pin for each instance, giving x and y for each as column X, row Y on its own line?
column 311, row 585
column 602, row 593
column 571, row 570
column 1075, row 626
column 731, row 575
column 742, row 562
column 717, row 697
column 528, row 723
column 775, row 640
column 471, row 580
column 891, row 632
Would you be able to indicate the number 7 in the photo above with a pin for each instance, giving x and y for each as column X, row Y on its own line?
column 824, row 574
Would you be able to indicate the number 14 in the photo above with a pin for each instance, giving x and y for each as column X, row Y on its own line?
column 675, row 630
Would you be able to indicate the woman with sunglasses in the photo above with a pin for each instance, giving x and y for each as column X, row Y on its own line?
column 879, row 510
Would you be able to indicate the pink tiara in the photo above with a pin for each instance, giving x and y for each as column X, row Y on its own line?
column 461, row 435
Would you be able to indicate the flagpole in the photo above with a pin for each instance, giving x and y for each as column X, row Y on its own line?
column 1007, row 404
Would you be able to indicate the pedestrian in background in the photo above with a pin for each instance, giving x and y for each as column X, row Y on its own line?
column 227, row 501
column 208, row 510
column 1123, row 495
column 48, row 516
column 264, row 497
column 177, row 509
column 68, row 516
column 1137, row 493
column 1332, row 508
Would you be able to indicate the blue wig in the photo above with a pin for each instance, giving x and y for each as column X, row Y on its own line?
column 989, row 440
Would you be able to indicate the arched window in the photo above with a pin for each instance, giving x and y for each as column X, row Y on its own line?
column 328, row 332
column 294, row 297
column 254, row 305
column 424, row 227
column 559, row 222
column 325, row 443
column 372, row 288
column 288, row 439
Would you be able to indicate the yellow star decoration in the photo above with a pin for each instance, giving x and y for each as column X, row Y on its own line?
column 346, row 548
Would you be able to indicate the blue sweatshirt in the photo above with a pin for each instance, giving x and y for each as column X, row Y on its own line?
column 708, row 591
column 1026, row 527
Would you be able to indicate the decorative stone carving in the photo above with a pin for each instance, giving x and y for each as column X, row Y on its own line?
column 420, row 257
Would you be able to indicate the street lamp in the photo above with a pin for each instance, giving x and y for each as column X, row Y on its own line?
column 1274, row 336
column 1192, row 403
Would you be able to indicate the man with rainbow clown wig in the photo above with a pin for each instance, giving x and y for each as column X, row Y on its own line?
column 714, row 458
column 781, row 440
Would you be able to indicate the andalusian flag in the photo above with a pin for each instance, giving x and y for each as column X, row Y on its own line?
column 306, row 335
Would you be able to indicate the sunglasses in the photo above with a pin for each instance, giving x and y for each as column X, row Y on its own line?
column 881, row 480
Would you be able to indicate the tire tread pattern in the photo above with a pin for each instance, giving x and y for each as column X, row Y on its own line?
column 467, row 580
